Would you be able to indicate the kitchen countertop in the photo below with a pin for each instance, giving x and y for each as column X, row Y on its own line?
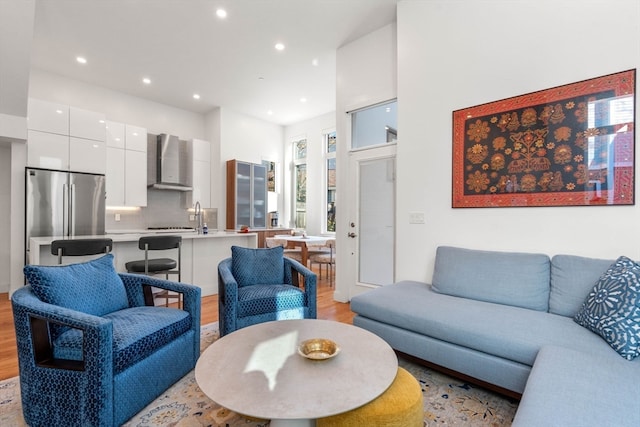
column 134, row 235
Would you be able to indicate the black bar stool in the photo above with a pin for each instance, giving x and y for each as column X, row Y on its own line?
column 155, row 266
column 80, row 247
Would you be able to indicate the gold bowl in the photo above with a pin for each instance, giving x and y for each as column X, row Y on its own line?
column 318, row 349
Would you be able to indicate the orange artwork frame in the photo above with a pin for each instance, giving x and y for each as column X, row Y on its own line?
column 572, row 145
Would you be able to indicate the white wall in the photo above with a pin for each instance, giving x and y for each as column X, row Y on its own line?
column 455, row 54
column 5, row 214
column 248, row 139
column 155, row 117
column 313, row 130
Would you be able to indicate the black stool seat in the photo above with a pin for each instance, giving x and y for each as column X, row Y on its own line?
column 152, row 266
column 155, row 265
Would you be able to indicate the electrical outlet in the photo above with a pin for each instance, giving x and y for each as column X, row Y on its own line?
column 416, row 217
column 117, row 217
column 192, row 217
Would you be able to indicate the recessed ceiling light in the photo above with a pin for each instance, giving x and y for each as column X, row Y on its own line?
column 81, row 60
column 146, row 80
column 221, row 13
column 303, row 99
column 59, row 111
column 196, row 96
column 270, row 113
column 279, row 46
column 315, row 62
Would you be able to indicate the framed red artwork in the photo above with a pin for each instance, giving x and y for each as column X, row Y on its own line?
column 571, row 145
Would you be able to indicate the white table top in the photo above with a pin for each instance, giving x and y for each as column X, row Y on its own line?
column 307, row 239
column 257, row 371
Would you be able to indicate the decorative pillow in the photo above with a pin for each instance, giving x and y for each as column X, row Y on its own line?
column 257, row 266
column 92, row 287
column 612, row 308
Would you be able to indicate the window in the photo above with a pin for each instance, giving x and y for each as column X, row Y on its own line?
column 375, row 125
column 330, row 164
column 300, row 184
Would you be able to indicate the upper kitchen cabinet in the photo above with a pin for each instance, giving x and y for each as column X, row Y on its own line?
column 115, row 134
column 65, row 138
column 126, row 165
column 47, row 150
column 61, row 152
column 47, row 116
column 135, row 138
column 201, row 168
column 87, row 124
column 246, row 195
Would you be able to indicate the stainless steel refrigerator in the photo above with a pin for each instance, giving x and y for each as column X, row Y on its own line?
column 63, row 204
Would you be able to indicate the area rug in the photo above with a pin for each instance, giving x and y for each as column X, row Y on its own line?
column 447, row 402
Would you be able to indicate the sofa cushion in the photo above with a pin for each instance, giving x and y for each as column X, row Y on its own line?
column 137, row 333
column 572, row 278
column 612, row 308
column 496, row 329
column 254, row 300
column 252, row 266
column 576, row 388
column 97, row 281
column 511, row 278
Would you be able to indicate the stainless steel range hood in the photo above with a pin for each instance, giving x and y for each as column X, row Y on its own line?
column 169, row 163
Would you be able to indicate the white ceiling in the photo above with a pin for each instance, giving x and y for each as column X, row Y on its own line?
column 184, row 49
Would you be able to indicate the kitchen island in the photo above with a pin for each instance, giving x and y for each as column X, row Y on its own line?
column 201, row 253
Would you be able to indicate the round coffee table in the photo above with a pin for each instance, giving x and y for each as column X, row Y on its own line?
column 257, row 371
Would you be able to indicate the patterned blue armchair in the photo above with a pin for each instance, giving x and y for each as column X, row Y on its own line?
column 92, row 349
column 259, row 285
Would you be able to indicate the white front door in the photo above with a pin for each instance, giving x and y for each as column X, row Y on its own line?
column 371, row 225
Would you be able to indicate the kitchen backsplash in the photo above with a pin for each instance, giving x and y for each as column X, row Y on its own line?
column 164, row 209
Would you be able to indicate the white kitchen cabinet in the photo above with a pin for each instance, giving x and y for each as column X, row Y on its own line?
column 114, row 182
column 61, row 152
column 126, row 167
column 115, row 134
column 201, row 169
column 86, row 155
column 47, row 150
column 47, row 116
column 87, row 124
column 136, row 138
column 135, row 173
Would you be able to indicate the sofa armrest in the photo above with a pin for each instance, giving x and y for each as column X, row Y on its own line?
column 292, row 269
column 227, row 297
column 33, row 318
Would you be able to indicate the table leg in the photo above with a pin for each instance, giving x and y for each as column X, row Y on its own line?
column 292, row 423
column 305, row 254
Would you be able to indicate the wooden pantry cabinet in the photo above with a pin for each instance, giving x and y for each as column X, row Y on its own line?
column 246, row 195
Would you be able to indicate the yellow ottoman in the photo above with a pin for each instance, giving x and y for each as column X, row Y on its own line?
column 399, row 406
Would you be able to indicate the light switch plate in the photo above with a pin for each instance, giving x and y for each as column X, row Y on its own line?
column 416, row 217
column 117, row 217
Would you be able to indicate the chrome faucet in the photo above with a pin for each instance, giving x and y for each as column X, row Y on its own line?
column 198, row 210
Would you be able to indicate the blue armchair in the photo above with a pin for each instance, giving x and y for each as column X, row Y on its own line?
column 259, row 285
column 92, row 348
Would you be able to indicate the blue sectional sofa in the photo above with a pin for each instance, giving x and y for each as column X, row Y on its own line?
column 507, row 319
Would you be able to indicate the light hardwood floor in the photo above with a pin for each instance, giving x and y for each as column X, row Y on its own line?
column 327, row 309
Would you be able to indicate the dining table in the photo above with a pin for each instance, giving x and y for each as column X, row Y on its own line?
column 303, row 242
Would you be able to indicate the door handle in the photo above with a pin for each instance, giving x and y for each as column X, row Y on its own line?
column 352, row 235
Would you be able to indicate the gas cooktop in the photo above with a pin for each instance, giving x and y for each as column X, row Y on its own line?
column 171, row 229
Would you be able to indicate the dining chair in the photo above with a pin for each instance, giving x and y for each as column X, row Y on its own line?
column 328, row 259
column 294, row 253
column 153, row 266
